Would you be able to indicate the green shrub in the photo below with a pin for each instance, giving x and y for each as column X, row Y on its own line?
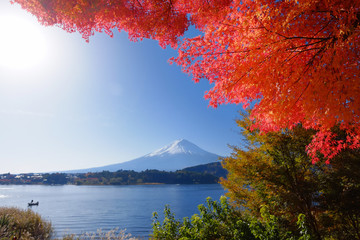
column 219, row 220
column 216, row 220
column 23, row 224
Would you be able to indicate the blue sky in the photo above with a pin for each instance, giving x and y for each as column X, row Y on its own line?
column 69, row 104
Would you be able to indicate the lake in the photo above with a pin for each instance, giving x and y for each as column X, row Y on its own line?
column 79, row 209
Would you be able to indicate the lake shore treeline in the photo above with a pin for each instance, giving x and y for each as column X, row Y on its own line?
column 121, row 177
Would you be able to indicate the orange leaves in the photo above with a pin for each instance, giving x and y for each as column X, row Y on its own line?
column 299, row 58
column 162, row 20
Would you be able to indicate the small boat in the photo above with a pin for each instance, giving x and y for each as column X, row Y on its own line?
column 32, row 203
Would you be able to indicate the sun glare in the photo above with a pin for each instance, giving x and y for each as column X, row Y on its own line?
column 22, row 44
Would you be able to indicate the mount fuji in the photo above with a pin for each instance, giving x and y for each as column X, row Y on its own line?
column 175, row 156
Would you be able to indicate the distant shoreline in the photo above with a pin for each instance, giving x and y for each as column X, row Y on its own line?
column 121, row 177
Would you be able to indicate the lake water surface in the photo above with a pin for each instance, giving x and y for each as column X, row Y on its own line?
column 79, row 209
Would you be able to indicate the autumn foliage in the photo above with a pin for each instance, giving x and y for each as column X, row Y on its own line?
column 274, row 170
column 292, row 61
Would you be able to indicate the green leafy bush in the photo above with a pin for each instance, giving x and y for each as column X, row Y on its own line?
column 219, row 220
column 23, row 224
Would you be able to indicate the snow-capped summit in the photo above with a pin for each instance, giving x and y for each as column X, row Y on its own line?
column 177, row 147
column 175, row 156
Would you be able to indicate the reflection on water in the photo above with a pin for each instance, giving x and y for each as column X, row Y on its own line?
column 79, row 209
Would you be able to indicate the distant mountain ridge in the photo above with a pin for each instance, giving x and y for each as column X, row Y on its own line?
column 175, row 156
column 214, row 169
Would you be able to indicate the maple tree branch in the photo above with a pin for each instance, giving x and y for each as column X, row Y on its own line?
column 293, row 37
column 307, row 50
column 300, row 37
column 328, row 23
column 312, row 60
column 307, row 45
column 307, row 85
column 246, row 73
column 308, row 65
column 141, row 6
column 289, row 57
